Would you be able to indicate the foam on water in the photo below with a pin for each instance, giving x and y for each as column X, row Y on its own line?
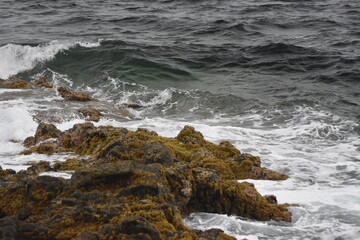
column 66, row 175
column 16, row 124
column 323, row 170
column 317, row 149
column 18, row 58
column 21, row 162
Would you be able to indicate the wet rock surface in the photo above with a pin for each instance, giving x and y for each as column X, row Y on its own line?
column 17, row 83
column 73, row 104
column 73, row 96
column 91, row 114
column 130, row 185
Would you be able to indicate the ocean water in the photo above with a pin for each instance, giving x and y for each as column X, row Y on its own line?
column 278, row 79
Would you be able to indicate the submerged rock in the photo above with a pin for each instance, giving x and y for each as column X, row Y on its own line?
column 133, row 185
column 132, row 105
column 91, row 114
column 42, row 82
column 73, row 96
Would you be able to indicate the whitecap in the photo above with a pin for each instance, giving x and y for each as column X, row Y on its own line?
column 18, row 58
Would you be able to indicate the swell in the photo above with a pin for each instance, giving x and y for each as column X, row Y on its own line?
column 159, row 67
column 18, row 58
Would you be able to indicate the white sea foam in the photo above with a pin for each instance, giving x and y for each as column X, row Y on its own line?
column 66, row 175
column 318, row 150
column 16, row 124
column 18, row 58
column 19, row 162
column 324, row 172
column 55, row 78
column 86, row 44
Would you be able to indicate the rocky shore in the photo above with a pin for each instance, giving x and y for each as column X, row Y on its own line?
column 128, row 184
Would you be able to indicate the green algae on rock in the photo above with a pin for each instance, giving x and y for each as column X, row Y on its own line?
column 133, row 185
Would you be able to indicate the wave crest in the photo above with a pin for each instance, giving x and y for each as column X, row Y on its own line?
column 17, row 58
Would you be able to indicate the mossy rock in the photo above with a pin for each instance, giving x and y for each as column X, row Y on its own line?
column 91, row 114
column 17, row 83
column 155, row 180
column 12, row 199
column 74, row 96
column 13, row 83
column 71, row 164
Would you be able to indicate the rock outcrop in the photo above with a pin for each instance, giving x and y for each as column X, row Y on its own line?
column 73, row 96
column 91, row 114
column 130, row 185
column 17, row 83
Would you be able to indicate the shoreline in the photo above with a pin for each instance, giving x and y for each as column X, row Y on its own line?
column 136, row 172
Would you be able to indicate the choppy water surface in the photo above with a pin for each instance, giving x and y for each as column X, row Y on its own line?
column 278, row 79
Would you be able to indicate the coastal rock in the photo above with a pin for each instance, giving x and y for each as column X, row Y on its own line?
column 37, row 168
column 17, row 83
column 42, row 82
column 139, row 228
column 73, row 96
column 91, row 114
column 133, row 185
column 106, row 176
column 14, row 83
column 212, row 194
column 271, row 199
column 45, row 131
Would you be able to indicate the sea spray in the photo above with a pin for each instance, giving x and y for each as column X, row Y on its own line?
column 18, row 58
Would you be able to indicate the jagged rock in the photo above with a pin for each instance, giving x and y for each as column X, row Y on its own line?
column 29, row 141
column 91, row 114
column 212, row 194
column 16, row 83
column 104, row 176
column 189, row 135
column 73, row 96
column 37, row 168
column 133, row 185
column 146, row 131
column 42, row 82
column 44, row 131
column 271, row 199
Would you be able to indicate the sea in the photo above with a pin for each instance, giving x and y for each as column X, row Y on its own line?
column 278, row 79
